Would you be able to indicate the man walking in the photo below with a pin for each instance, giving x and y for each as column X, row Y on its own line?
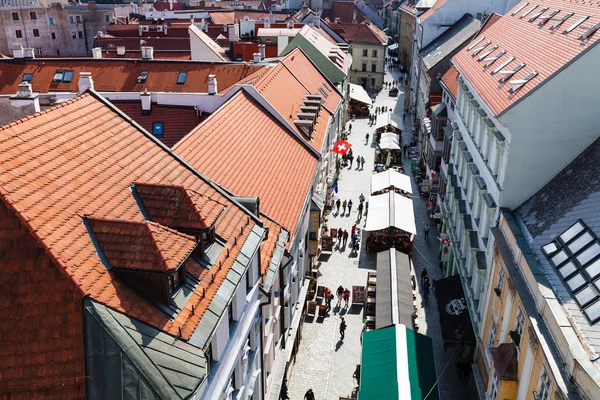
column 361, row 198
column 350, row 128
column 426, row 230
column 346, row 297
column 340, row 292
column 362, row 163
column 338, row 203
column 349, row 207
column 367, row 135
column 345, row 238
column 309, row 395
column 360, row 210
column 342, row 331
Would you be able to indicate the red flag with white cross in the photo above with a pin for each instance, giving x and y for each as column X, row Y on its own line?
column 341, row 147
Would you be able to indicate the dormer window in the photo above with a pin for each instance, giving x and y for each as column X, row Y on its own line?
column 176, row 280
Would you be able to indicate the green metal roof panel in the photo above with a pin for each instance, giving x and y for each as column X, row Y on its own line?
column 379, row 365
column 421, row 366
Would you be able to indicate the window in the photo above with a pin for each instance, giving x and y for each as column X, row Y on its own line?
column 494, row 388
column 364, row 68
column 18, row 34
column 73, row 35
column 492, row 339
column 106, row 18
column 372, row 82
column 374, row 53
column 51, row 20
column 71, row 19
column 501, row 277
column 36, row 33
column 63, row 76
column 78, row 19
column 142, row 76
column 53, row 35
column 158, row 129
column 543, row 392
column 32, row 15
column 80, row 34
column 373, row 67
column 38, row 51
column 181, row 77
column 67, row 76
column 15, row 16
column 27, row 77
column 520, row 324
column 365, row 53
column 176, row 280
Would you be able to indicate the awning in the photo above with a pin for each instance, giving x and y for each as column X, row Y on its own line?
column 389, row 143
column 390, row 179
column 454, row 315
column 393, row 46
column 390, row 136
column 358, row 93
column 317, row 202
column 394, row 301
column 397, row 363
column 391, row 209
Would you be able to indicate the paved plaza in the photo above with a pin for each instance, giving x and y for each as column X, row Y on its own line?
column 324, row 362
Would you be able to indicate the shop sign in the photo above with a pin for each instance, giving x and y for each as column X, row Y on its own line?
column 358, row 294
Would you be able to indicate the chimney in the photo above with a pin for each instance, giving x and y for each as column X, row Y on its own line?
column 212, row 84
column 304, row 11
column 25, row 102
column 234, row 33
column 29, row 52
column 97, row 52
column 261, row 50
column 367, row 20
column 318, row 22
column 171, row 5
column 140, row 30
column 205, row 26
column 354, row 20
column 17, row 50
column 256, row 57
column 146, row 101
column 192, row 20
column 282, row 42
column 85, row 81
column 290, row 24
column 92, row 5
column 224, row 27
column 165, row 27
column 337, row 20
column 267, row 23
column 147, row 52
column 120, row 50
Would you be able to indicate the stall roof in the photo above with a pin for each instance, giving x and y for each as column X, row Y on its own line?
column 390, row 179
column 397, row 363
column 393, row 46
column 391, row 209
column 390, row 136
column 394, row 290
column 358, row 93
column 389, row 143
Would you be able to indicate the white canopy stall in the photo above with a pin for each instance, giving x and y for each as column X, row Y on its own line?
column 391, row 209
column 358, row 93
column 390, row 179
column 389, row 143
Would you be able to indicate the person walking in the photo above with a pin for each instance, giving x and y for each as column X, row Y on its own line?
column 351, row 158
column 309, row 395
column 346, row 297
column 426, row 230
column 338, row 203
column 328, row 297
column 340, row 293
column 345, row 239
column 350, row 128
column 360, row 210
column 342, row 332
column 361, row 198
column 405, row 147
column 424, row 275
column 362, row 163
column 350, row 207
column 344, row 207
column 367, row 136
column 426, row 286
column 358, row 162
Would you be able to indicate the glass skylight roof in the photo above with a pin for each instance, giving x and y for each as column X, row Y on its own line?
column 575, row 255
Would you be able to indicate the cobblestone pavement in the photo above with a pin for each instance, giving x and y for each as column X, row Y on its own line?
column 325, row 363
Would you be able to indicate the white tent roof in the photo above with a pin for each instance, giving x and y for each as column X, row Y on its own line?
column 391, row 209
column 390, row 178
column 358, row 93
column 390, row 135
column 389, row 143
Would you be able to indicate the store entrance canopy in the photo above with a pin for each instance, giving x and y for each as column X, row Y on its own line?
column 391, row 210
column 390, row 179
column 394, row 301
column 454, row 315
column 397, row 363
column 389, row 144
column 358, row 93
column 390, row 136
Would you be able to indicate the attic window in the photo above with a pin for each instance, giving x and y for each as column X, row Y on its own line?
column 537, row 14
column 575, row 25
column 518, row 84
column 176, row 280
column 181, row 78
column 142, row 76
column 490, row 60
column 58, row 75
column 563, row 19
column 548, row 17
column 509, row 73
column 518, row 10
column 528, row 11
column 27, row 77
column 63, row 76
column 590, row 32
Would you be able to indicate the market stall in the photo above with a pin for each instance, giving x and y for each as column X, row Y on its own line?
column 391, row 223
column 390, row 180
column 360, row 101
column 389, row 128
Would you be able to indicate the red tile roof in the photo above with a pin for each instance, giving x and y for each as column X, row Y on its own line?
column 114, row 75
column 42, row 355
column 157, row 248
column 80, row 158
column 450, row 79
column 436, row 6
column 158, row 55
column 542, row 50
column 268, row 246
column 165, row 6
column 490, row 20
column 244, row 149
column 344, row 10
column 363, row 33
column 230, row 17
column 177, row 121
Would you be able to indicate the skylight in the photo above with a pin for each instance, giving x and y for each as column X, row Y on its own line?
column 487, row 53
column 181, row 77
column 563, row 19
column 63, row 76
column 67, row 76
column 504, row 64
column 142, row 76
column 518, row 84
column 476, row 43
column 575, row 25
column 575, row 255
column 548, row 17
column 590, row 32
column 518, row 10
column 507, row 74
column 478, row 50
column 528, row 11
column 537, row 14
column 27, row 77
column 57, row 76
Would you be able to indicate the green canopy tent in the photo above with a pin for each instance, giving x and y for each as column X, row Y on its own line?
column 397, row 363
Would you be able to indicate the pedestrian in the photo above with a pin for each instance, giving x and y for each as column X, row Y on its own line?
column 351, row 158
column 367, row 138
column 353, row 228
column 404, row 117
column 362, row 163
column 426, row 230
column 340, row 235
column 328, row 298
column 361, row 198
column 366, row 208
column 360, row 210
column 426, row 286
column 356, row 374
column 340, row 292
column 344, row 207
column 405, row 147
column 342, row 331
column 309, row 395
column 345, row 236
column 346, row 297
column 350, row 128
column 424, row 275
column 357, row 162
column 349, row 207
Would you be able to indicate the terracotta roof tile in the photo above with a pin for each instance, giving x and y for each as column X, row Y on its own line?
column 542, row 50
column 263, row 159
column 490, row 20
column 344, row 10
column 363, row 33
column 267, row 247
column 114, row 75
column 450, row 79
column 80, row 158
column 436, row 6
column 157, row 248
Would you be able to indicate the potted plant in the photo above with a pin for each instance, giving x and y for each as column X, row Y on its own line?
column 515, row 336
column 498, row 291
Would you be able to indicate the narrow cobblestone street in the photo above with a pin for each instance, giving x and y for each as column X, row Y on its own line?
column 325, row 363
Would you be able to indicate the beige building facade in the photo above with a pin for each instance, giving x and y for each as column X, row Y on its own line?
column 368, row 67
